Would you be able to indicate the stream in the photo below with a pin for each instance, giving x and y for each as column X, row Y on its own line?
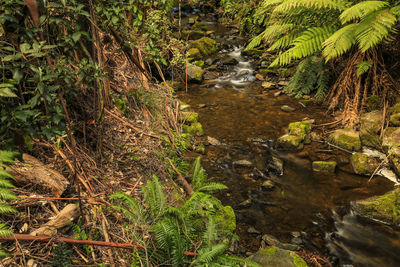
column 301, row 207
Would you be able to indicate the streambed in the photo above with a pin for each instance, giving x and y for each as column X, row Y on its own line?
column 304, row 207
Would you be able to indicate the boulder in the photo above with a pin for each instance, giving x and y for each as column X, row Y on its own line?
column 299, row 134
column 276, row 257
column 175, row 85
column 291, row 141
column 363, row 164
column 192, row 34
column 385, row 208
column 346, row 138
column 195, row 73
column 324, row 166
column 193, row 54
column 391, row 138
column 198, row 63
column 201, row 26
column 370, row 128
column 395, row 109
column 394, row 158
column 205, row 45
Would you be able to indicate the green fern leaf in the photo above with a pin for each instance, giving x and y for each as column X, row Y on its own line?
column 288, row 5
column 210, row 187
column 8, row 156
column 7, row 194
column 363, row 67
column 4, row 174
column 6, row 183
column 375, row 28
column 154, row 198
column 5, row 209
column 208, row 254
column 361, row 9
column 340, row 42
column 4, row 231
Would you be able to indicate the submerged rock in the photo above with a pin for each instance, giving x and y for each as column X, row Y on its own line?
column 276, row 257
column 324, row 166
column 192, row 34
column 369, row 129
column 268, row 184
column 267, row 85
column 276, row 165
column 195, row 73
column 291, row 141
column 213, row 141
column 385, row 208
column 346, row 138
column 243, row 163
column 363, row 164
column 287, row 108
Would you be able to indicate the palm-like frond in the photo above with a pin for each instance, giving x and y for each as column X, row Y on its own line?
column 306, row 44
column 361, row 9
column 4, row 183
column 288, row 5
column 284, row 42
column 374, row 28
column 340, row 42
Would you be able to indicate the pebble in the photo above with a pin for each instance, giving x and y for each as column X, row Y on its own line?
column 202, row 105
column 283, row 83
column 287, row 108
column 213, row 141
column 243, row 163
column 268, row 184
column 276, row 94
column 260, row 77
column 245, row 203
column 267, row 85
column 253, row 230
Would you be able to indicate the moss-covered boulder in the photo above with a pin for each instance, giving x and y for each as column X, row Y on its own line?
column 395, row 109
column 276, row 257
column 291, row 141
column 201, row 26
column 205, row 45
column 195, row 128
column 372, row 102
column 395, row 119
column 175, row 85
column 192, row 34
column 363, row 164
column 346, row 138
column 370, row 128
column 195, row 73
column 394, row 158
column 385, row 208
column 193, row 54
column 267, row 72
column 324, row 166
column 252, row 52
column 299, row 134
column 189, row 117
column 225, row 219
column 391, row 138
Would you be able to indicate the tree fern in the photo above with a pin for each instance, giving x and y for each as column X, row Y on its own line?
column 363, row 67
column 360, row 10
column 288, row 5
column 340, row 42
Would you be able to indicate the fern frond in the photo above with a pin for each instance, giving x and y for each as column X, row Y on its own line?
column 361, row 9
column 288, row 5
column 4, row 174
column 4, row 231
column 132, row 210
column 375, row 28
column 208, row 254
column 340, row 42
column 6, row 183
column 363, row 67
column 210, row 187
column 199, row 201
column 154, row 197
column 284, row 42
column 7, row 194
column 5, row 209
column 210, row 234
column 306, row 44
column 8, row 156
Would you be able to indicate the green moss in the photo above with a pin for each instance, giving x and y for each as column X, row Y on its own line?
column 372, row 103
column 199, row 63
column 386, row 207
column 205, row 45
column 266, row 72
column 306, row 102
column 194, row 73
column 324, row 166
column 195, row 128
column 194, row 53
column 202, row 26
column 175, row 85
column 347, row 139
column 252, row 52
column 291, row 141
column 225, row 219
column 298, row 261
column 192, row 35
column 201, row 149
column 300, row 128
column 363, row 164
column 270, row 251
column 189, row 117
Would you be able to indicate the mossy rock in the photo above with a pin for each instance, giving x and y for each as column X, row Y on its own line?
column 252, row 52
column 324, row 166
column 195, row 73
column 201, row 26
column 225, row 219
column 370, row 128
column 300, row 128
column 201, row 149
column 276, row 257
column 385, row 208
column 188, row 117
column 286, row 73
column 205, row 45
column 266, row 72
column 363, row 164
column 395, row 109
column 199, row 63
column 372, row 103
column 346, row 138
column 195, row 128
column 192, row 34
column 194, row 53
column 395, row 119
column 175, row 85
column 391, row 138
column 394, row 158
column 291, row 141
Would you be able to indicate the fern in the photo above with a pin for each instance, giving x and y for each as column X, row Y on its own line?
column 363, row 67
column 154, row 198
column 361, row 9
column 288, row 5
column 199, row 179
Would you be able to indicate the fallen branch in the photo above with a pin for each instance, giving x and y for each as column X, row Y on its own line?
column 130, row 125
column 188, row 188
column 377, row 169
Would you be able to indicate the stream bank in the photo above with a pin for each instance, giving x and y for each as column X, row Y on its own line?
column 275, row 191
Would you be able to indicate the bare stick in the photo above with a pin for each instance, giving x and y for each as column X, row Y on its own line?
column 188, row 188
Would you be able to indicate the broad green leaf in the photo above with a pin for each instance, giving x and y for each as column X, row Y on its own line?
column 6, row 92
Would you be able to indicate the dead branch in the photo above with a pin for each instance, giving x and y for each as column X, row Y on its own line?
column 188, row 188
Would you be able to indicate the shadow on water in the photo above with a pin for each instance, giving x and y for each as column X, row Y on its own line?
column 244, row 117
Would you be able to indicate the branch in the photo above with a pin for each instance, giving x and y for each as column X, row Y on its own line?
column 188, row 188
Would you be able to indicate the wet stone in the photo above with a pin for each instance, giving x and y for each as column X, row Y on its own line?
column 287, row 108
column 268, row 184
column 253, row 230
column 243, row 163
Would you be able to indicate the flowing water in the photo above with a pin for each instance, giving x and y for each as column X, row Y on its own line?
column 246, row 119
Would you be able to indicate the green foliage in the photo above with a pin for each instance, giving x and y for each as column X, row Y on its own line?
column 176, row 230
column 200, row 181
column 6, row 194
column 62, row 256
column 363, row 67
